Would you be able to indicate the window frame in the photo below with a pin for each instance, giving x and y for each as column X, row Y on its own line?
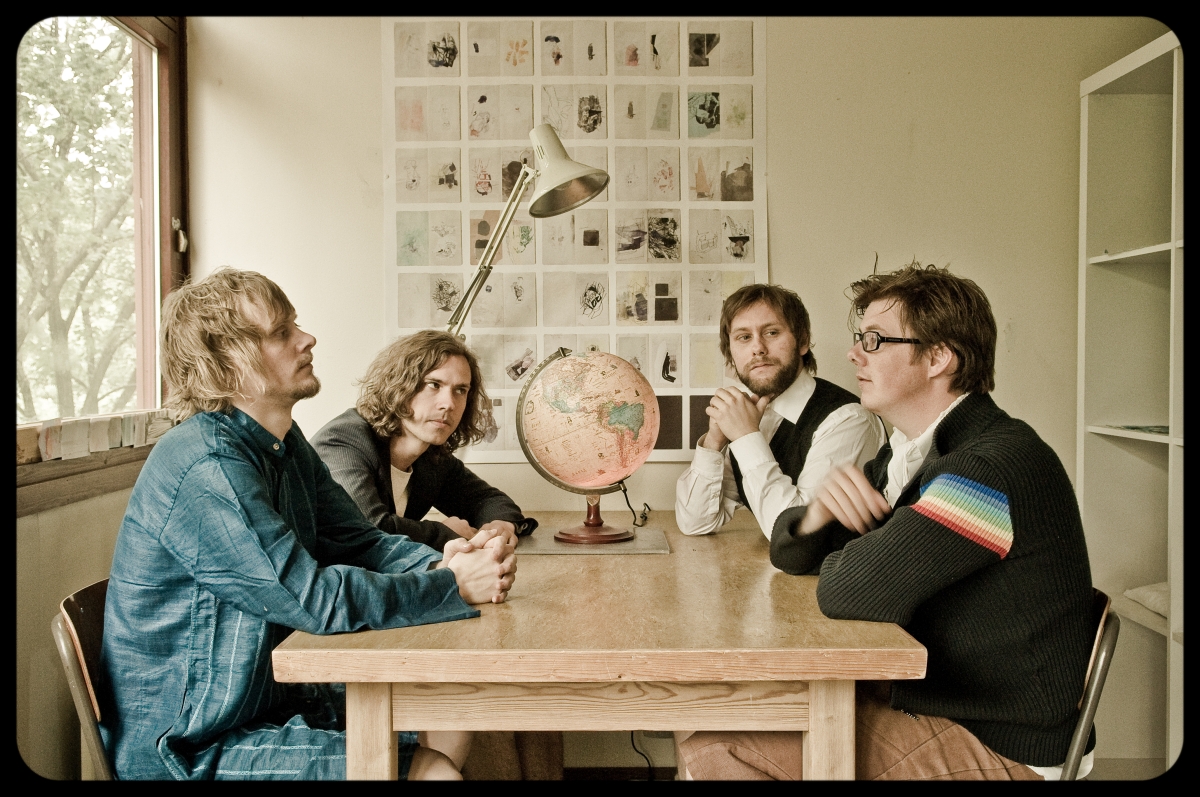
column 44, row 485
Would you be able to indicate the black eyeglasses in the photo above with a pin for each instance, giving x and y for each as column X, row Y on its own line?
column 870, row 340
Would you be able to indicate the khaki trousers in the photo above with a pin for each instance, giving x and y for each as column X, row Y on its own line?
column 889, row 745
column 521, row 755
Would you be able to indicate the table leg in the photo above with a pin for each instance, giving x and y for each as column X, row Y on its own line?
column 371, row 748
column 829, row 742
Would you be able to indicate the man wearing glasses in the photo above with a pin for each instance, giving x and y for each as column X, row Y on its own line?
column 964, row 530
column 769, row 447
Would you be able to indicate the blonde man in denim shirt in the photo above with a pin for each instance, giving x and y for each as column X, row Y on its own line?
column 234, row 536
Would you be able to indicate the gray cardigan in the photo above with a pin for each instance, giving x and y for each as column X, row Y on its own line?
column 359, row 460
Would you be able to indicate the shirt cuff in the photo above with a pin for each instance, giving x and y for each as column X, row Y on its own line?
column 708, row 462
column 751, row 450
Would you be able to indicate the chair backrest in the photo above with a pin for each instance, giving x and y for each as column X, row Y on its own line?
column 1100, row 606
column 1108, row 627
column 78, row 629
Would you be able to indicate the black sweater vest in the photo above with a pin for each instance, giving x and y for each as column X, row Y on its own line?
column 792, row 441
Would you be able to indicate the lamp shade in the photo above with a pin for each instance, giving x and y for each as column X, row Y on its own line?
column 562, row 184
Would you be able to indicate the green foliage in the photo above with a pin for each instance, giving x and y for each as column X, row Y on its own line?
column 76, row 353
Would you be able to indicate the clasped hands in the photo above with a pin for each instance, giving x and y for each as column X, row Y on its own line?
column 485, row 565
column 732, row 414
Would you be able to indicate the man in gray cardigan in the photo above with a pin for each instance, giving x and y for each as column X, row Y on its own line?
column 422, row 398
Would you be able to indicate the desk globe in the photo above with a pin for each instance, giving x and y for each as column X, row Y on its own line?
column 586, row 422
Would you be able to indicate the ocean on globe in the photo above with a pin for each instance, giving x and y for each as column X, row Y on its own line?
column 587, row 420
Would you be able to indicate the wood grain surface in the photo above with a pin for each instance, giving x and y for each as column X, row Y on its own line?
column 713, row 610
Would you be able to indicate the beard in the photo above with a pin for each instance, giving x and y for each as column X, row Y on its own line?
column 775, row 385
column 306, row 390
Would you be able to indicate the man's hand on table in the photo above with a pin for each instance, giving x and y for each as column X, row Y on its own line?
column 460, row 527
column 506, row 530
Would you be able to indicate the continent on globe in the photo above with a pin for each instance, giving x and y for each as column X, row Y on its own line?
column 623, row 420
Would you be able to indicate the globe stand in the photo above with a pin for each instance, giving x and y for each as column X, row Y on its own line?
column 594, row 530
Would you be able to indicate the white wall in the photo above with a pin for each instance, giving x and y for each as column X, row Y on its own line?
column 952, row 140
column 955, row 140
column 59, row 551
column 284, row 132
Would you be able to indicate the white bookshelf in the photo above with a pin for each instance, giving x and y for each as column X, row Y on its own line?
column 1129, row 479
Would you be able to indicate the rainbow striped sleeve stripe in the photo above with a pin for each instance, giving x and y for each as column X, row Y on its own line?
column 978, row 513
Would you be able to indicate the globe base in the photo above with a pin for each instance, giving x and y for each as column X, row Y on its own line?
column 594, row 530
column 587, row 535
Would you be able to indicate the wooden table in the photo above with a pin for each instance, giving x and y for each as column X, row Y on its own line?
column 708, row 637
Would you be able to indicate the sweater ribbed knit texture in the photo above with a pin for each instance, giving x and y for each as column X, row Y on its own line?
column 984, row 562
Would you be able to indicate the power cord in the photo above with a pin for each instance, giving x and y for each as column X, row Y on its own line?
column 649, row 766
column 645, row 515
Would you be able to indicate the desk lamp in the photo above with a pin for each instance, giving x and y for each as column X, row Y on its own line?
column 562, row 185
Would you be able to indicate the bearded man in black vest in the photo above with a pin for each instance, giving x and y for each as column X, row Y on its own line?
column 769, row 447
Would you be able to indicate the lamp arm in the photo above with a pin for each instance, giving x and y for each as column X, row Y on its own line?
column 459, row 316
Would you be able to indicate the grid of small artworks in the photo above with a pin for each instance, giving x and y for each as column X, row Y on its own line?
column 672, row 109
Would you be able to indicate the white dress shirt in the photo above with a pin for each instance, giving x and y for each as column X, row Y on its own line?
column 909, row 455
column 706, row 494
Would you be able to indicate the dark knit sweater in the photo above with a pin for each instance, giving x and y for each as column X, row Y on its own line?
column 984, row 562
column 359, row 460
column 791, row 442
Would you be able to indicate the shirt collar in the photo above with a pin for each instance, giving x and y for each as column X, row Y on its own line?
column 252, row 431
column 919, row 446
column 791, row 402
column 909, row 455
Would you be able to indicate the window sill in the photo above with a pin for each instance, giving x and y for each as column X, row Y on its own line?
column 57, row 482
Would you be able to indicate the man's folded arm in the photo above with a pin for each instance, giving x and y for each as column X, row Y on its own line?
column 705, row 494
column 802, row 554
column 887, row 573
column 239, row 548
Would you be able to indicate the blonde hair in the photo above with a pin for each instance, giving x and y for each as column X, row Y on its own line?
column 210, row 344
column 398, row 372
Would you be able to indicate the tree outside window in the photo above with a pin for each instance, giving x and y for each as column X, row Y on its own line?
column 76, row 264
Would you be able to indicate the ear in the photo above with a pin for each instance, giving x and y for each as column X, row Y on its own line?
column 943, row 362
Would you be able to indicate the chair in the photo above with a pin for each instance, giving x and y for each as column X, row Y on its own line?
column 77, row 630
column 1108, row 626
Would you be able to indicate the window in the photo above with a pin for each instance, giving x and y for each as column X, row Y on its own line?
column 100, row 222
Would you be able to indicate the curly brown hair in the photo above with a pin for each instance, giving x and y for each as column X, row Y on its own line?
column 397, row 374
column 210, row 344
column 787, row 306
column 937, row 308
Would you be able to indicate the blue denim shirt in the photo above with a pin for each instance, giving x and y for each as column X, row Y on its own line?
column 233, row 538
